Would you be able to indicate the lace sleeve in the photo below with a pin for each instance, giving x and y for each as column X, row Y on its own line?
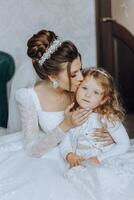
column 36, row 143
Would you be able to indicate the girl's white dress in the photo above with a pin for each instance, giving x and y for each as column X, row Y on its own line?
column 25, row 177
column 112, row 179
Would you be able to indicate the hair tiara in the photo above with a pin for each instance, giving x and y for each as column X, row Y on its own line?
column 101, row 71
column 53, row 47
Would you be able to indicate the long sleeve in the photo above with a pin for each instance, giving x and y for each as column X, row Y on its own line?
column 122, row 142
column 65, row 146
column 69, row 143
column 36, row 143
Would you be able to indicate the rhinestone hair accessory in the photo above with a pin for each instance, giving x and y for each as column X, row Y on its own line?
column 53, row 47
column 101, row 72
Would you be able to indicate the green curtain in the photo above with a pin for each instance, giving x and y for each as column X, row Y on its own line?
column 7, row 69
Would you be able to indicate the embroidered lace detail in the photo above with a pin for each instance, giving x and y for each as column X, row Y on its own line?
column 113, row 176
column 36, row 142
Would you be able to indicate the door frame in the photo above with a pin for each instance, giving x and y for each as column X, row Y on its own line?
column 104, row 30
column 110, row 35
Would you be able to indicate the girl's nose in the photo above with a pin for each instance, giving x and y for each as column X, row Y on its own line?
column 88, row 94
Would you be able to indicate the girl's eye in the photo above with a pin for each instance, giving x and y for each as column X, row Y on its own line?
column 96, row 92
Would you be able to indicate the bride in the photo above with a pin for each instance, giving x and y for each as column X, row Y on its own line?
column 31, row 166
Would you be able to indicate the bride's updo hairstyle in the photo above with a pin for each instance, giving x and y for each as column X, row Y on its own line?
column 40, row 44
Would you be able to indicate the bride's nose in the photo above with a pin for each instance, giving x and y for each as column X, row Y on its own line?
column 80, row 76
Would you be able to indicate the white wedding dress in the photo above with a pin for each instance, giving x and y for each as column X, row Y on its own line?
column 113, row 178
column 25, row 177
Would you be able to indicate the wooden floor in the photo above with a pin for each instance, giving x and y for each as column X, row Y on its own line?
column 129, row 125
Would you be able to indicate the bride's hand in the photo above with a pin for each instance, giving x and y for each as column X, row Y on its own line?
column 102, row 135
column 74, row 118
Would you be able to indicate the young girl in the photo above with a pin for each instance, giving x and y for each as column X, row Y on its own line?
column 102, row 169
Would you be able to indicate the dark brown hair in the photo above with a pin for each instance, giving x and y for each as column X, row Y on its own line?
column 38, row 45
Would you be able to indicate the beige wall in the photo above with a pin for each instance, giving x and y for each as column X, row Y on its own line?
column 123, row 12
column 20, row 19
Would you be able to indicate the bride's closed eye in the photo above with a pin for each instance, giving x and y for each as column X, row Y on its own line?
column 73, row 75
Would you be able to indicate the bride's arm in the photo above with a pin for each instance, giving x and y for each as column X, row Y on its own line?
column 36, row 144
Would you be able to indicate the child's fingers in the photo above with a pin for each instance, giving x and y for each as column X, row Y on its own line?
column 77, row 161
column 80, row 159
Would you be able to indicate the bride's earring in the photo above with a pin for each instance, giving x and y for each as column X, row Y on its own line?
column 55, row 84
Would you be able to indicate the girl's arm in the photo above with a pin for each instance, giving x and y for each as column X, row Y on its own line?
column 67, row 149
column 65, row 146
column 122, row 142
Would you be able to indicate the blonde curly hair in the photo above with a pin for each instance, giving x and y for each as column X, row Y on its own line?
column 112, row 108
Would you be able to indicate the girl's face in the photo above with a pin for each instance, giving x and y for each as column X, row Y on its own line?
column 89, row 94
column 75, row 73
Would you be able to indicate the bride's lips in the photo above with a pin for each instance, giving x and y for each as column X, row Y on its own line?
column 77, row 85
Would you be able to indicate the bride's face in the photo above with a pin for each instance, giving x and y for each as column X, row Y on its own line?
column 75, row 76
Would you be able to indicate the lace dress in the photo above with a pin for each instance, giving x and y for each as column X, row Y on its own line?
column 36, row 177
column 40, row 175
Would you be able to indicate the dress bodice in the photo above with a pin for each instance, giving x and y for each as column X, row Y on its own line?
column 46, row 120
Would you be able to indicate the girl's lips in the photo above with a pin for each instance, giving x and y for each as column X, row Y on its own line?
column 86, row 100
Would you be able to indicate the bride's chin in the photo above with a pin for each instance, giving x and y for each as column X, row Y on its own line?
column 74, row 88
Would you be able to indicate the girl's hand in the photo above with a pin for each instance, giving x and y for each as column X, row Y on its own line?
column 94, row 160
column 74, row 159
column 102, row 135
column 74, row 118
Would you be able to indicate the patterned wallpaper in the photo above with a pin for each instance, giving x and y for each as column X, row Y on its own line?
column 71, row 19
column 123, row 12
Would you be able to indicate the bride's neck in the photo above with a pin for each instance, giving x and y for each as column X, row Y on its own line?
column 47, row 86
